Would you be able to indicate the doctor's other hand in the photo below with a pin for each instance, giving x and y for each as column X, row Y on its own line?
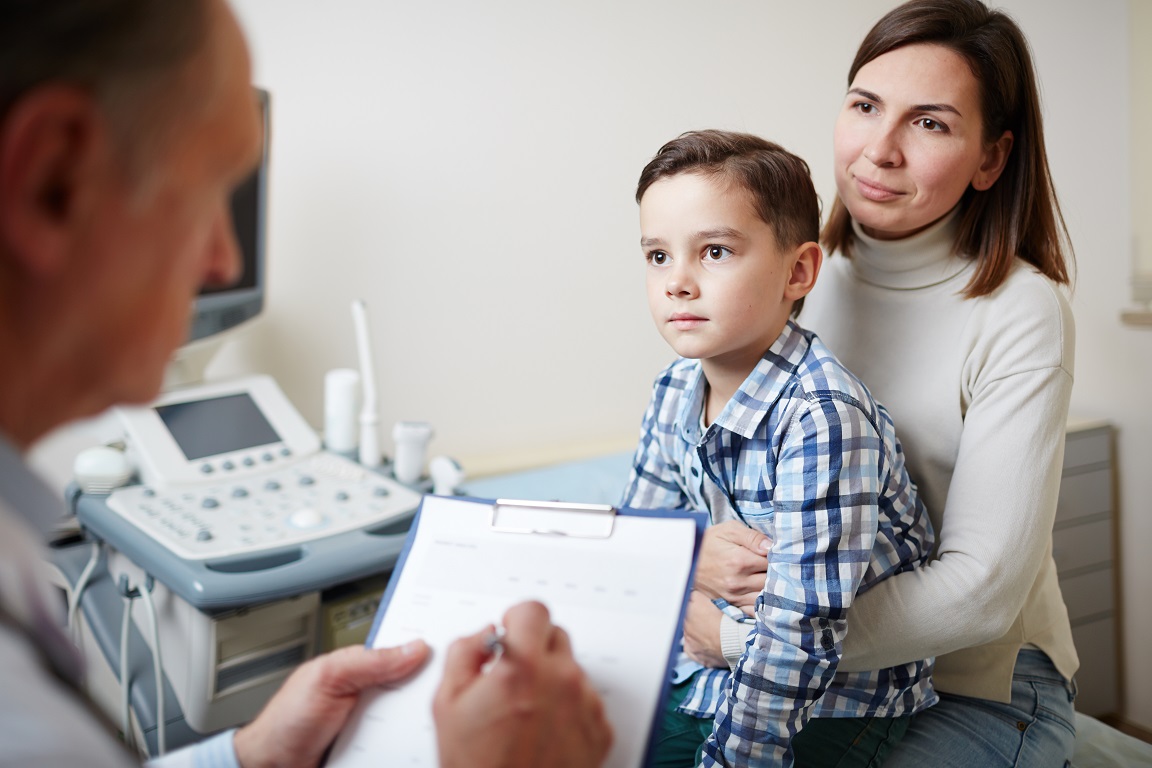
column 301, row 721
column 733, row 564
column 533, row 706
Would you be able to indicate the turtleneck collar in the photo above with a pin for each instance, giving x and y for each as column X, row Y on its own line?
column 919, row 261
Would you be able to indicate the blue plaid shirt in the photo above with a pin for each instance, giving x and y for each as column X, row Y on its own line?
column 803, row 454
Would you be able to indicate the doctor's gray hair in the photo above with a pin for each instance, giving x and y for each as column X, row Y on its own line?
column 125, row 53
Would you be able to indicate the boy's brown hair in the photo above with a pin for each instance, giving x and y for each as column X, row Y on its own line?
column 778, row 181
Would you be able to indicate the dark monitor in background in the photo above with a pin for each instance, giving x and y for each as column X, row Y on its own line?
column 221, row 309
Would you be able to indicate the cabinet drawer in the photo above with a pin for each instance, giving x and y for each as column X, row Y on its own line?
column 1086, row 448
column 1097, row 677
column 1084, row 494
column 1089, row 594
column 1080, row 545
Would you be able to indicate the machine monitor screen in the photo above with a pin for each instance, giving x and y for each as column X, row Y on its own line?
column 217, row 425
column 221, row 308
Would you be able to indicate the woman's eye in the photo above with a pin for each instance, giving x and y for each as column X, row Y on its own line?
column 717, row 253
column 658, row 258
column 929, row 124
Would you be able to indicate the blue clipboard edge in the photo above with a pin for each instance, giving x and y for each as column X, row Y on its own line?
column 701, row 520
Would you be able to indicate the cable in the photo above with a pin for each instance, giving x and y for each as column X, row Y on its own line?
column 125, row 683
column 77, row 592
column 157, row 667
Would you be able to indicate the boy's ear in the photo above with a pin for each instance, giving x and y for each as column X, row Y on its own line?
column 805, row 267
column 47, row 143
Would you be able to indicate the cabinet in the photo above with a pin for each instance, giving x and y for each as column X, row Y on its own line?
column 1084, row 548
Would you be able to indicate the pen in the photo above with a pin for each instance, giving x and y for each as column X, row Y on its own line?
column 494, row 642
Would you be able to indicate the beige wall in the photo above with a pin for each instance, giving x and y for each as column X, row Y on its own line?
column 468, row 168
column 1139, row 35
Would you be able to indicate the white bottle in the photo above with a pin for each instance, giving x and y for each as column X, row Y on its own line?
column 341, row 409
column 411, row 438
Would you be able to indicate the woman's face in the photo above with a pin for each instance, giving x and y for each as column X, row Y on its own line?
column 909, row 140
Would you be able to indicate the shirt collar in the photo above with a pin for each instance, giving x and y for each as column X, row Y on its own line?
column 919, row 261
column 25, row 492
column 753, row 401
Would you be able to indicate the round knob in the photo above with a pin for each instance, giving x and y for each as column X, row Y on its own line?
column 306, row 518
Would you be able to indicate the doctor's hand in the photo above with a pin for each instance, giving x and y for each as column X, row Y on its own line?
column 301, row 721
column 733, row 564
column 533, row 706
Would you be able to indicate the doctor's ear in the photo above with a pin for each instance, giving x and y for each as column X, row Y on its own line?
column 804, row 261
column 50, row 140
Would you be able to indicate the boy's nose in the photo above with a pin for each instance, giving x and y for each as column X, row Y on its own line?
column 680, row 283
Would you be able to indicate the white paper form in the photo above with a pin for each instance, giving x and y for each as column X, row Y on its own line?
column 619, row 598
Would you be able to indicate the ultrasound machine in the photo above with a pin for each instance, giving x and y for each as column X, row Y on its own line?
column 217, row 543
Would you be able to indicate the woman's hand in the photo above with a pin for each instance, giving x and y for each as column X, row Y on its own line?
column 733, row 564
column 702, row 631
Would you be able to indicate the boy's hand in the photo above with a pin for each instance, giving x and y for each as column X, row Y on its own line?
column 702, row 631
column 733, row 564
column 532, row 707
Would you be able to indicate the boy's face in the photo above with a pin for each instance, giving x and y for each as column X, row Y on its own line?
column 716, row 277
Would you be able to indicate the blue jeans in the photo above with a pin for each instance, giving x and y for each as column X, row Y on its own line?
column 1036, row 729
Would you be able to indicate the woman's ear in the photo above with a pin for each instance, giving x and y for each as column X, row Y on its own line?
column 995, row 158
column 47, row 140
column 805, row 267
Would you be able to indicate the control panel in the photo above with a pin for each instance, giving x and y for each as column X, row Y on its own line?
column 291, row 502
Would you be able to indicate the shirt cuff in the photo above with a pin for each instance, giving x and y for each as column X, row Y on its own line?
column 214, row 752
column 733, row 639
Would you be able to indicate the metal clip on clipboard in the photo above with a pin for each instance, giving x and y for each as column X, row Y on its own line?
column 578, row 521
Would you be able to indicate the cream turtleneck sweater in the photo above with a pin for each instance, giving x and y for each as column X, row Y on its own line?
column 979, row 391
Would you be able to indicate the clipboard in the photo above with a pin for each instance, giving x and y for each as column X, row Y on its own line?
column 617, row 580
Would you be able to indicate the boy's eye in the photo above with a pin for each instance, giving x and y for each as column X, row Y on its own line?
column 716, row 253
column 658, row 258
column 864, row 107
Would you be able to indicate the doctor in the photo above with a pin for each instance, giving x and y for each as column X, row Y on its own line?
column 124, row 125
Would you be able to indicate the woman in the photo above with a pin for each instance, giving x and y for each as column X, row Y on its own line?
column 944, row 295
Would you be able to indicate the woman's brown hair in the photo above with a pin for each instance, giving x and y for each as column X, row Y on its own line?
column 1019, row 215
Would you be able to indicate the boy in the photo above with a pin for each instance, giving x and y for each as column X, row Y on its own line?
column 758, row 421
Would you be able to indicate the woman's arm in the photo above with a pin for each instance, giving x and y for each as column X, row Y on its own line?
column 996, row 531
